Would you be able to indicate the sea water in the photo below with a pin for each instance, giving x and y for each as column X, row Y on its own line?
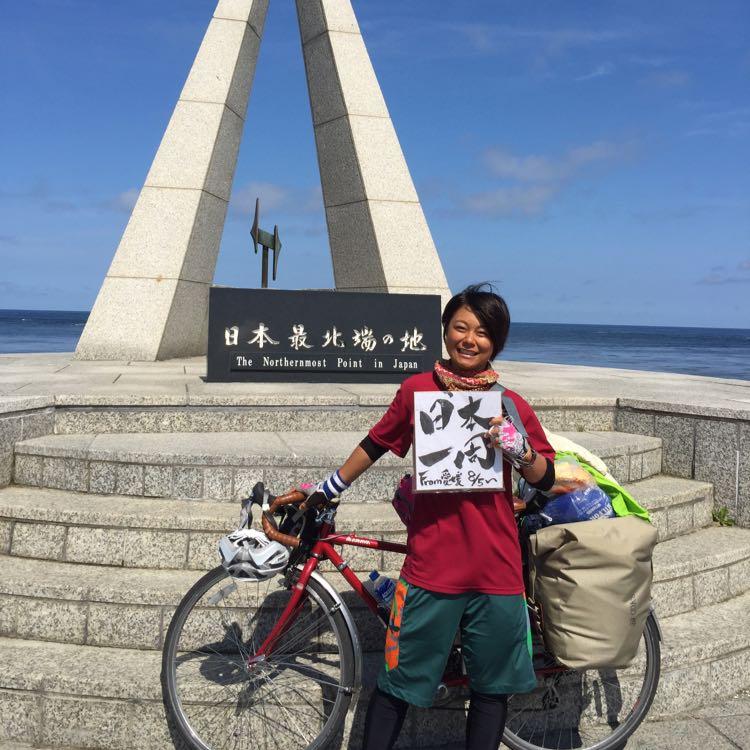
column 717, row 352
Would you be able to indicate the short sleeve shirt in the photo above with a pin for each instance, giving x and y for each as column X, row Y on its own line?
column 459, row 541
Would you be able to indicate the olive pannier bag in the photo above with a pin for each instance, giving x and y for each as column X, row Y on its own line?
column 592, row 583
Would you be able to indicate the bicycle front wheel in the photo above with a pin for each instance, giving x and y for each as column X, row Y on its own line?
column 218, row 695
column 595, row 709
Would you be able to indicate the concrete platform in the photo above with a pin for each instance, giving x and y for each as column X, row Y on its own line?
column 59, row 376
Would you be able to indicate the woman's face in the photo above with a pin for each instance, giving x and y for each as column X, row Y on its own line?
column 468, row 342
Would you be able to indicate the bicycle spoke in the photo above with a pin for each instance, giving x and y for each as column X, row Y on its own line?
column 284, row 699
column 299, row 635
column 580, row 709
column 266, row 725
column 292, row 688
column 229, row 705
column 323, row 682
column 291, row 716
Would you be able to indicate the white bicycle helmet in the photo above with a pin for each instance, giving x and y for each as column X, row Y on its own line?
column 250, row 554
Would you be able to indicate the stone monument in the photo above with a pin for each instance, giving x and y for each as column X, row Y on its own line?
column 153, row 304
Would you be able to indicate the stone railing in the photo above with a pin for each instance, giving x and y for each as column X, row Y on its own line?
column 22, row 418
column 704, row 443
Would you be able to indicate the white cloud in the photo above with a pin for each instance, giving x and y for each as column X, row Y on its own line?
column 272, row 197
column 546, row 169
column 284, row 201
column 718, row 279
column 523, row 168
column 399, row 33
column 511, row 201
column 667, row 79
column 41, row 194
column 649, row 62
column 725, row 122
column 605, row 69
column 125, row 201
column 312, row 200
column 675, row 213
column 536, row 179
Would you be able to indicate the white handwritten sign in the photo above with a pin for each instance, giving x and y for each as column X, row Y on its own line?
column 450, row 454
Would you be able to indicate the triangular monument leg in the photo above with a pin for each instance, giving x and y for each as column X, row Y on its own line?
column 380, row 241
column 154, row 301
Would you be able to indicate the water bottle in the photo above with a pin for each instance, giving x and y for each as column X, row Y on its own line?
column 381, row 587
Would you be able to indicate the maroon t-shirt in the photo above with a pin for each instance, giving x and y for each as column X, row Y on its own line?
column 459, row 541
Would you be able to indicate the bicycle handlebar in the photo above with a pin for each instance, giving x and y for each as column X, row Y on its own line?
column 270, row 527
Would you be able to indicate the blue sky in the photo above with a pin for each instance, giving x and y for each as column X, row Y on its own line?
column 589, row 157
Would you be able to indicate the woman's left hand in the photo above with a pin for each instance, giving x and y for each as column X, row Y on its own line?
column 504, row 436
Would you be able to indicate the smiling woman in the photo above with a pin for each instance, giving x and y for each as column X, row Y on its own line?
column 441, row 588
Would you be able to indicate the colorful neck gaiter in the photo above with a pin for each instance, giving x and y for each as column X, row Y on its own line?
column 476, row 380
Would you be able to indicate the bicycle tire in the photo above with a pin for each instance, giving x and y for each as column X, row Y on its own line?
column 297, row 697
column 593, row 724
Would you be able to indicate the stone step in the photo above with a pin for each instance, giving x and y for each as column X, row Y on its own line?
column 248, row 407
column 135, row 531
column 705, row 656
column 131, row 608
column 699, row 569
column 222, row 466
column 27, row 746
column 54, row 694
column 139, row 532
column 676, row 506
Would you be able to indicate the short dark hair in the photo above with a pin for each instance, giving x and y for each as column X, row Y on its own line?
column 488, row 306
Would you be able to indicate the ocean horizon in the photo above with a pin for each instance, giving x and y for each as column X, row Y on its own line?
column 712, row 352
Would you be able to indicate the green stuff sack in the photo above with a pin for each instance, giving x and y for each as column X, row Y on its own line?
column 592, row 582
column 623, row 503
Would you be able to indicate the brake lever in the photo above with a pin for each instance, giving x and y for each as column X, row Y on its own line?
column 327, row 514
column 246, row 513
column 259, row 496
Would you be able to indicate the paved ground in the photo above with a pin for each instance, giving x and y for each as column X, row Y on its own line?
column 181, row 380
column 723, row 726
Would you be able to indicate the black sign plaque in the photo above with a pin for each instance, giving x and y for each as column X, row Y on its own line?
column 270, row 335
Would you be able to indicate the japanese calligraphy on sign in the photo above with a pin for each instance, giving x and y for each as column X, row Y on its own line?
column 450, row 453
column 320, row 336
column 361, row 338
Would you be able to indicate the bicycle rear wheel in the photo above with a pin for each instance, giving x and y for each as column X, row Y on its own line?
column 590, row 710
column 217, row 696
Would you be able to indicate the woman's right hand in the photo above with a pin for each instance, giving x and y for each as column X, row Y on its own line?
column 326, row 491
column 314, row 494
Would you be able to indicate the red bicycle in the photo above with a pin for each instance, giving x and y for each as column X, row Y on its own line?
column 276, row 663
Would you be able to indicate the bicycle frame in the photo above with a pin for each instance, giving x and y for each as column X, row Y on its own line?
column 323, row 550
